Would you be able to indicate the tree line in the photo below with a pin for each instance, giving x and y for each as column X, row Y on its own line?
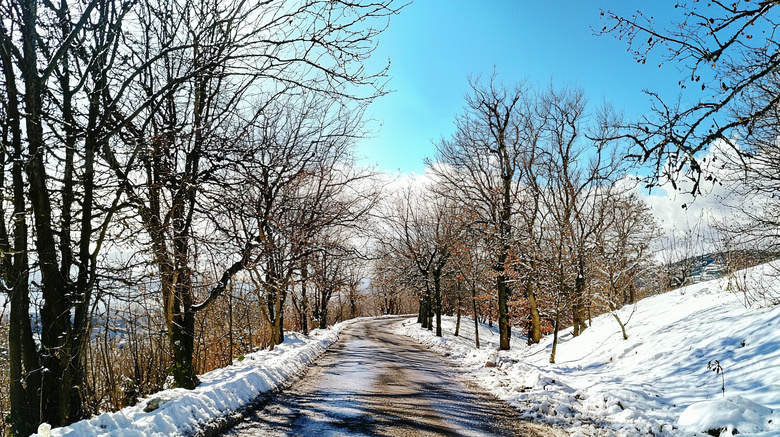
column 528, row 217
column 174, row 144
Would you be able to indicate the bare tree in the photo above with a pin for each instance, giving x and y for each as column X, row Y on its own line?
column 208, row 63
column 298, row 189
column 392, row 288
column 157, row 92
column 481, row 166
column 332, row 275
column 528, row 256
column 625, row 258
column 174, row 148
column 58, row 60
column 728, row 57
column 420, row 229
column 580, row 172
column 752, row 177
column 328, row 270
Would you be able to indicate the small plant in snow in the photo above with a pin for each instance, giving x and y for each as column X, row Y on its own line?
column 715, row 366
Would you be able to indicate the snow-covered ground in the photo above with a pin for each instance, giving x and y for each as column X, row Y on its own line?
column 655, row 383
column 221, row 393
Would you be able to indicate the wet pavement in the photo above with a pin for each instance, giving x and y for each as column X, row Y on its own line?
column 373, row 382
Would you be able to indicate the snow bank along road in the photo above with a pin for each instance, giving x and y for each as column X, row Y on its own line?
column 374, row 382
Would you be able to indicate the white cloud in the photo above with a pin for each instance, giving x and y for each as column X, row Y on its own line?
column 681, row 214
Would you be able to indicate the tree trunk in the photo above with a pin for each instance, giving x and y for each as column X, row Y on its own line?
column 631, row 295
column 437, row 292
column 24, row 408
column 22, row 352
column 426, row 310
column 430, row 314
column 353, row 307
column 504, row 330
column 304, row 300
column 230, row 326
column 555, row 336
column 180, row 322
column 277, row 331
column 457, row 323
column 476, row 317
column 613, row 311
column 578, row 302
column 622, row 326
column 181, row 334
column 59, row 404
column 323, row 316
column 535, row 331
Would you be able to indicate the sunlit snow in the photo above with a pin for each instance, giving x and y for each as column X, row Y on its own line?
column 656, row 382
column 222, row 392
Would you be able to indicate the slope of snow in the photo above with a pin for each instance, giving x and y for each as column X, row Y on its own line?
column 655, row 383
column 221, row 392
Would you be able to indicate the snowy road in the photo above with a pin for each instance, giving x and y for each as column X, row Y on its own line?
column 373, row 382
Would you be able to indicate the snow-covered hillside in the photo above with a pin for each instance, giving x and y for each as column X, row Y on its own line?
column 655, row 383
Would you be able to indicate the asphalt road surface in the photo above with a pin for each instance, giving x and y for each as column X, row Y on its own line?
column 376, row 383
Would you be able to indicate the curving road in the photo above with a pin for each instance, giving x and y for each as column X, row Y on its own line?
column 373, row 382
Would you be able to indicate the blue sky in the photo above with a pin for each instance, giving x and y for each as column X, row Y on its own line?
column 435, row 45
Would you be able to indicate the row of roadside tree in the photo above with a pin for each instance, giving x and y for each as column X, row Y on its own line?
column 529, row 201
column 174, row 144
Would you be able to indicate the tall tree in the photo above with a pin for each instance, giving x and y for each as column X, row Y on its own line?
column 481, row 166
column 423, row 232
column 215, row 72
column 58, row 60
column 297, row 190
column 15, row 259
column 580, row 169
column 173, row 147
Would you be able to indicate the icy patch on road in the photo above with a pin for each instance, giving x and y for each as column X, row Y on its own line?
column 656, row 383
column 221, row 392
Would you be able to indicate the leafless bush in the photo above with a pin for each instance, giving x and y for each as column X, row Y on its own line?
column 128, row 357
column 231, row 327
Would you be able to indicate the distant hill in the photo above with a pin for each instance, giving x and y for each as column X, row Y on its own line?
column 715, row 265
